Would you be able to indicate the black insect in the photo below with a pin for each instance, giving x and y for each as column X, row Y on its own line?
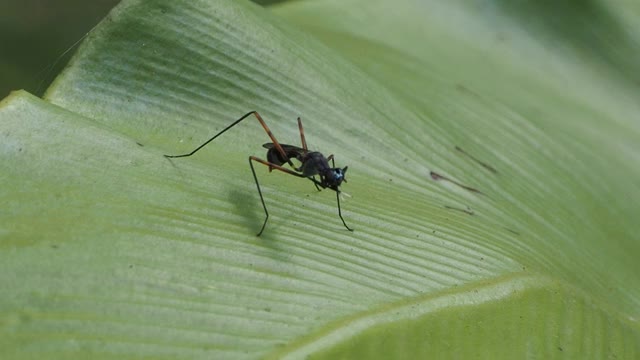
column 312, row 163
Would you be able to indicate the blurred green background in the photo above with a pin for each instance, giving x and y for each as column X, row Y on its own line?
column 34, row 35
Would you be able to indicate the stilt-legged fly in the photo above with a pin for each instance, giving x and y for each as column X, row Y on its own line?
column 312, row 163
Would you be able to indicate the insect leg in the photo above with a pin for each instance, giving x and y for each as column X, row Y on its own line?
column 266, row 212
column 275, row 142
column 333, row 163
column 214, row 137
column 304, row 147
column 264, row 126
column 304, row 142
column 255, row 177
column 277, row 167
column 340, row 212
column 317, row 183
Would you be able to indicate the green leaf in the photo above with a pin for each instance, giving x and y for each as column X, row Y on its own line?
column 493, row 173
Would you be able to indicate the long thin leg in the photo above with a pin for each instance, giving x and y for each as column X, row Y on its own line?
column 273, row 139
column 316, row 182
column 333, row 163
column 305, row 148
column 255, row 177
column 276, row 144
column 340, row 211
column 214, row 137
column 304, row 142
column 261, row 198
column 277, row 167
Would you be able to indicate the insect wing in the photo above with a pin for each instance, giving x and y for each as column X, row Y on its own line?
column 274, row 156
column 287, row 148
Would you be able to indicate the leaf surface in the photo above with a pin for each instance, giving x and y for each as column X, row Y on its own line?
column 493, row 182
